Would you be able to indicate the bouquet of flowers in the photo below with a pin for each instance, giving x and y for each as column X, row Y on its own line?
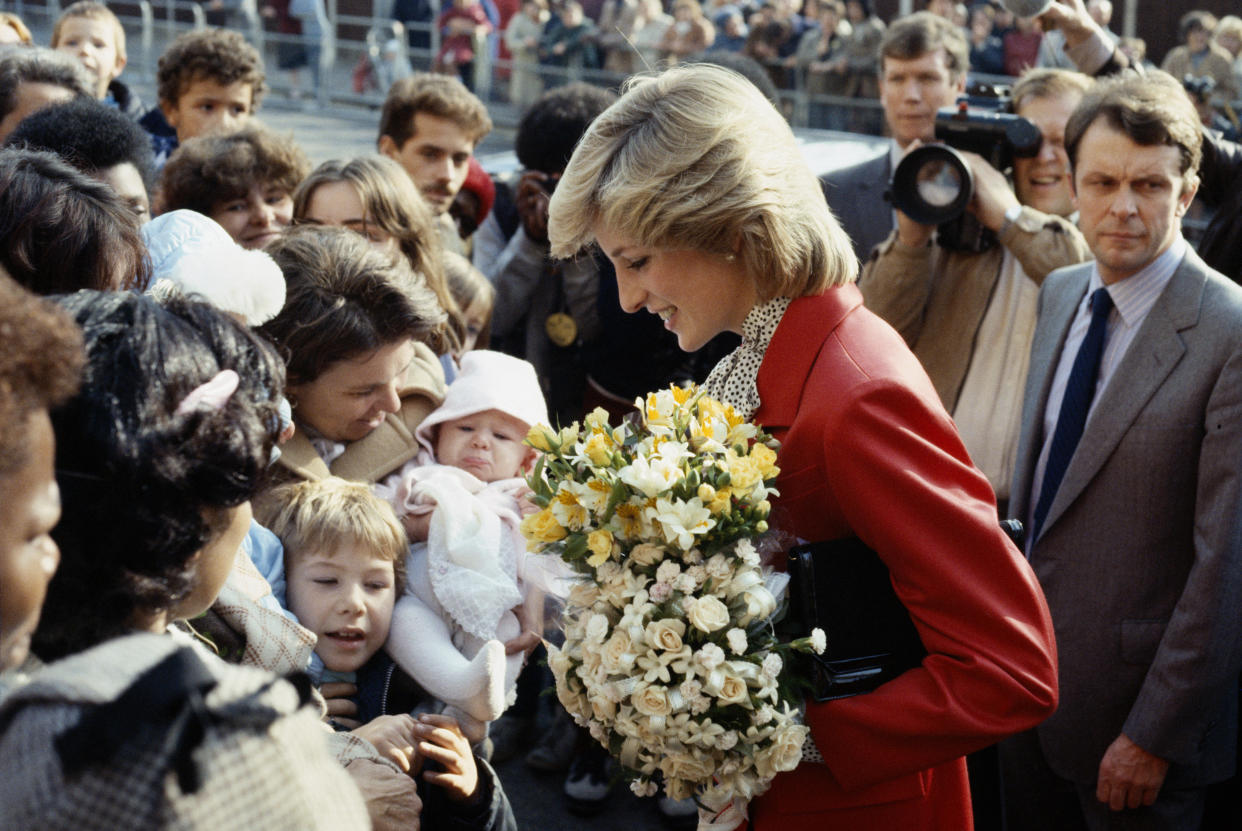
column 670, row 657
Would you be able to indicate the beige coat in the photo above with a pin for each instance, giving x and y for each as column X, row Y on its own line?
column 936, row 299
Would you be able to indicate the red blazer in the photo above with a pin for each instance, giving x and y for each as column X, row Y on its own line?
column 868, row 450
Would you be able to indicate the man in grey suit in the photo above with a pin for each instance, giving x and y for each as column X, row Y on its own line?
column 923, row 63
column 1129, row 477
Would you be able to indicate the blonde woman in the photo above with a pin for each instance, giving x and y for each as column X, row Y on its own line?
column 693, row 186
column 373, row 196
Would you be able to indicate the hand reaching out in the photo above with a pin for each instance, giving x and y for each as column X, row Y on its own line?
column 441, row 740
column 393, row 737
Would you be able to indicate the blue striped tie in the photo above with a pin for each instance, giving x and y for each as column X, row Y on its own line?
column 1079, row 391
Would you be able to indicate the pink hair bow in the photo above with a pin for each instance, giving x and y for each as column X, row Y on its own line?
column 211, row 396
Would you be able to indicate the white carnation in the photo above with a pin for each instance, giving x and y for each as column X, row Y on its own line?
column 710, row 656
column 819, row 641
column 737, row 641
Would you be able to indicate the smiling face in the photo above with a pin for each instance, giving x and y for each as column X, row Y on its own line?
column 93, row 42
column 1043, row 182
column 256, row 218
column 1131, row 199
column 698, row 295
column 206, row 106
column 487, row 444
column 29, row 509
column 912, row 90
column 345, row 597
column 352, row 397
column 437, row 157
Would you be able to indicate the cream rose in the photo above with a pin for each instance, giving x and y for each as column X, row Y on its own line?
column 783, row 753
column 685, row 766
column 732, row 690
column 651, row 700
column 666, row 634
column 709, row 614
column 603, row 709
column 618, row 655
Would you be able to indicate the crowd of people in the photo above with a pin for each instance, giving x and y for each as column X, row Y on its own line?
column 262, row 422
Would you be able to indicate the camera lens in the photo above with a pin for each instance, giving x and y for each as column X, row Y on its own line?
column 932, row 184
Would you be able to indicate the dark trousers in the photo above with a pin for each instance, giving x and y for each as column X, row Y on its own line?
column 1037, row 799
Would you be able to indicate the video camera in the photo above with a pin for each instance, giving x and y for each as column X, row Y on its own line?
column 933, row 184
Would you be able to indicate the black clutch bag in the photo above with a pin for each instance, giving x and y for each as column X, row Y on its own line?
column 844, row 588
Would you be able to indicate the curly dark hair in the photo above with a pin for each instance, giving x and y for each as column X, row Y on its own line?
column 220, row 55
column 61, row 230
column 144, row 488
column 89, row 135
column 344, row 299
column 208, row 170
column 551, row 128
column 40, row 364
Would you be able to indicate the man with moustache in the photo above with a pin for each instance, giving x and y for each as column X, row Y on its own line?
column 1127, row 477
column 431, row 124
column 970, row 316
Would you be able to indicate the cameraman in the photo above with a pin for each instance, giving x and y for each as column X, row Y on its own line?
column 1220, row 172
column 969, row 316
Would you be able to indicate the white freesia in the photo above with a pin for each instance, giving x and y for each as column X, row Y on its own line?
column 650, row 476
column 681, row 521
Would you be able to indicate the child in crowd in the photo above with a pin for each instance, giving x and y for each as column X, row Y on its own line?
column 90, row 32
column 462, row 25
column 61, row 230
column 461, row 503
column 100, row 142
column 244, row 181
column 40, row 362
column 344, row 555
column 32, row 78
column 208, row 80
column 475, row 297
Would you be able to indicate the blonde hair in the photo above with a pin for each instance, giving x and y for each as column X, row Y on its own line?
column 92, row 10
column 393, row 203
column 696, row 158
column 324, row 516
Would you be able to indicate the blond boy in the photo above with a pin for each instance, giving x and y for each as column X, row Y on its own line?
column 89, row 32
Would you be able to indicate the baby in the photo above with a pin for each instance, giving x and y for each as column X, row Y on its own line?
column 461, row 502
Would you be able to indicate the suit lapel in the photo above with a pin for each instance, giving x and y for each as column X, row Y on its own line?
column 1059, row 301
column 1155, row 351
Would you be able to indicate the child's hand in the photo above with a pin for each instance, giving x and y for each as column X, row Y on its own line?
column 526, row 504
column 393, row 737
column 417, row 526
column 341, row 710
column 441, row 740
